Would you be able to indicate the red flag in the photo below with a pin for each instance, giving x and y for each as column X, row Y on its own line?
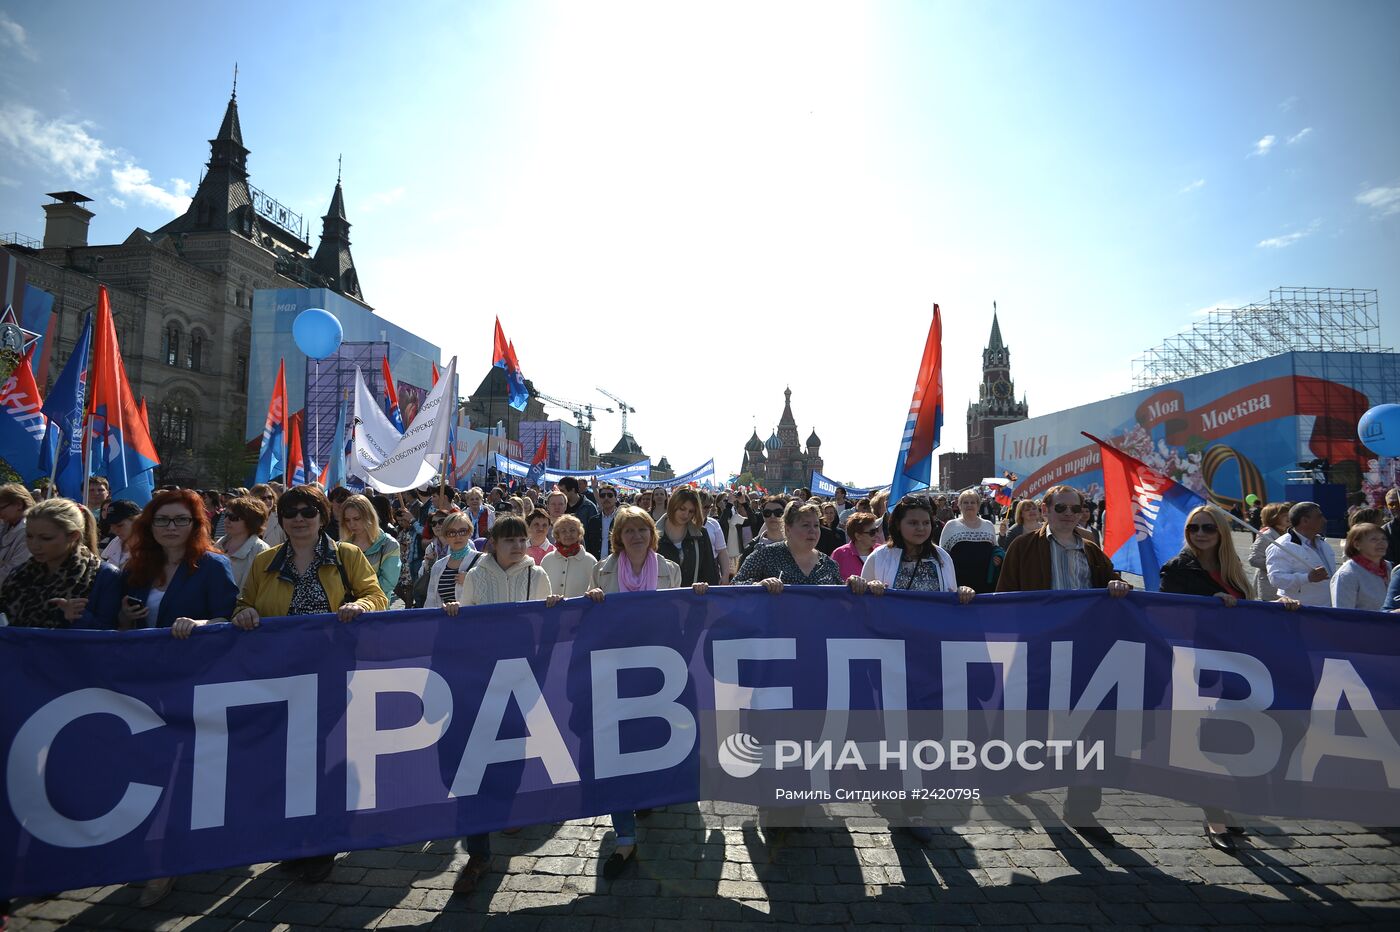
column 391, row 397
column 500, row 350
column 294, row 463
column 127, row 447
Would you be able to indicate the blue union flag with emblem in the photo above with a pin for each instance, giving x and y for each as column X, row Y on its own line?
column 1144, row 522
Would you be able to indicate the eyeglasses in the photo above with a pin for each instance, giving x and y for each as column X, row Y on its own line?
column 1072, row 509
column 1202, row 529
column 168, row 521
column 305, row 511
column 770, row 513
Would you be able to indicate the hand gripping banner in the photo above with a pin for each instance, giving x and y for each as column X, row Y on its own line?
column 131, row 754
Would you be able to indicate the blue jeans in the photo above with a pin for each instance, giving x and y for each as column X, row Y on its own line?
column 625, row 827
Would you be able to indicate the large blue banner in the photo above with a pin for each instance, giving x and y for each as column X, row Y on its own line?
column 130, row 755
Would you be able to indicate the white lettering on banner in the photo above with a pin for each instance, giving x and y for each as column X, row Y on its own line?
column 26, row 770
column 1121, row 672
column 729, row 695
column 1345, row 726
column 1222, row 417
column 1340, row 681
column 366, row 742
column 209, row 777
column 512, row 679
column 1186, row 750
column 610, row 710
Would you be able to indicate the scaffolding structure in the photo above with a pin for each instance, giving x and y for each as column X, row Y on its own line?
column 1309, row 320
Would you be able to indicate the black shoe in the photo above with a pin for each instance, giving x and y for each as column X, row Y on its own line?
column 317, row 869
column 614, row 866
column 1220, row 841
column 1097, row 834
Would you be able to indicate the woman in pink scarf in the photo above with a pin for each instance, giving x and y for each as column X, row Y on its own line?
column 633, row 565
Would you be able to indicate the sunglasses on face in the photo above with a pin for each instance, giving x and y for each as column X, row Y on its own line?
column 168, row 521
column 770, row 513
column 306, row 511
column 1072, row 509
column 1202, row 529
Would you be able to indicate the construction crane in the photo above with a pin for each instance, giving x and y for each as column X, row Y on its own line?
column 626, row 408
column 579, row 411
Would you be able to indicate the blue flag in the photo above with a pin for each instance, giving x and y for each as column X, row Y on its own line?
column 335, row 469
column 23, row 428
column 913, row 468
column 66, row 408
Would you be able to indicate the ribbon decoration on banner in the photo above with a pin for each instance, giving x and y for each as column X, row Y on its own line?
column 519, row 469
column 698, row 474
column 825, row 486
column 132, row 755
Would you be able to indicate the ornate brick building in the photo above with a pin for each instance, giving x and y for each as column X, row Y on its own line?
column 182, row 295
column 780, row 462
column 996, row 405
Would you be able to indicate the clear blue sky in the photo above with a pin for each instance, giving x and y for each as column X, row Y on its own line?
column 694, row 205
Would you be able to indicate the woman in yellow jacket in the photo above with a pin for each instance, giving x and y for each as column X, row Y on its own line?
column 309, row 574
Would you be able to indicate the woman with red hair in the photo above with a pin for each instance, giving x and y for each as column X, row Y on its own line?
column 174, row 577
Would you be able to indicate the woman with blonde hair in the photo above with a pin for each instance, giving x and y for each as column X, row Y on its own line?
column 359, row 525
column 51, row 590
column 568, row 565
column 1208, row 566
column 682, row 539
column 632, row 565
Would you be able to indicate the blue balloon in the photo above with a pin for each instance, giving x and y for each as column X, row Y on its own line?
column 317, row 332
column 1379, row 430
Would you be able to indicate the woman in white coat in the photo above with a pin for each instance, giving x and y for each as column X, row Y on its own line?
column 568, row 565
column 911, row 560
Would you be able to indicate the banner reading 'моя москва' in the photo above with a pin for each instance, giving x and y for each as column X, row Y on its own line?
column 130, row 755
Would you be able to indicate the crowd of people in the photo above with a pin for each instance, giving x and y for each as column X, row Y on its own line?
column 189, row 559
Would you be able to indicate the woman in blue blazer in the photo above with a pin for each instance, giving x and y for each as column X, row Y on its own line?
column 173, row 579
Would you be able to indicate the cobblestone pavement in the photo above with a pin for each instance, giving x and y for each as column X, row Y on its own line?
column 708, row 866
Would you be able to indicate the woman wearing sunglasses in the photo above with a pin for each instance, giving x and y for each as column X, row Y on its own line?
column 774, row 531
column 864, row 535
column 310, row 574
column 174, row 577
column 1209, row 566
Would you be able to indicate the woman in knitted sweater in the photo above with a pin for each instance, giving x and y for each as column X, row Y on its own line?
column 507, row 575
